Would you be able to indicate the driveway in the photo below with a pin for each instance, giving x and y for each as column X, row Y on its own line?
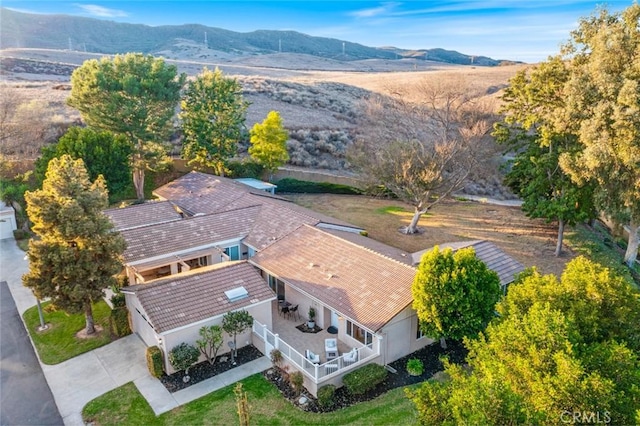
column 25, row 395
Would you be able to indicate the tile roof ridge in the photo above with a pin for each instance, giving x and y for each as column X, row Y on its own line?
column 362, row 247
column 159, row 282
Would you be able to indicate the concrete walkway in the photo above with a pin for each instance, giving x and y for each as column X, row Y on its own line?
column 81, row 379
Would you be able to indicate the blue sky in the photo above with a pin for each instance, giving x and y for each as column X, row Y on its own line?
column 519, row 30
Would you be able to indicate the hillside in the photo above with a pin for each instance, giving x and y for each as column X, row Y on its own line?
column 24, row 30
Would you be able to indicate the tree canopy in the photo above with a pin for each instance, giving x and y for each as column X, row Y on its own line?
column 602, row 97
column 213, row 115
column 77, row 253
column 132, row 95
column 531, row 106
column 422, row 144
column 269, row 142
column 559, row 347
column 102, row 152
column 454, row 294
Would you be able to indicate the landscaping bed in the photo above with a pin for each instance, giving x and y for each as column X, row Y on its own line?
column 204, row 370
column 430, row 357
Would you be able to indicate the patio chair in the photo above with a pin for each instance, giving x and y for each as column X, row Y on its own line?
column 331, row 348
column 312, row 357
column 285, row 311
column 294, row 311
column 350, row 357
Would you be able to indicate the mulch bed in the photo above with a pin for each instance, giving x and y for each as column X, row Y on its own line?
column 305, row 329
column 204, row 370
column 430, row 357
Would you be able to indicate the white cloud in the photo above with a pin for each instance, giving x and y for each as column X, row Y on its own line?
column 103, row 12
column 383, row 9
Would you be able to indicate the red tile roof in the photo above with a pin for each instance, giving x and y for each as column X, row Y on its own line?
column 357, row 282
column 184, row 299
column 151, row 212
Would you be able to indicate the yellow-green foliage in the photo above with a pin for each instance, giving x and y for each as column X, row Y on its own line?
column 155, row 363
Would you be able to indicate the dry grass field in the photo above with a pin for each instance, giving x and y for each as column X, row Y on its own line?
column 531, row 242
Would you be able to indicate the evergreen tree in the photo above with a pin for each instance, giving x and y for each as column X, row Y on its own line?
column 131, row 95
column 213, row 115
column 77, row 253
column 454, row 294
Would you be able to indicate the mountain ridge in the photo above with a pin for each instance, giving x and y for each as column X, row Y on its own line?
column 25, row 30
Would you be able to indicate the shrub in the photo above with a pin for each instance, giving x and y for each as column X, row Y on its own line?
column 155, row 363
column 118, row 300
column 325, row 396
column 20, row 234
column 276, row 357
column 245, row 169
column 183, row 356
column 302, row 186
column 415, row 367
column 365, row 378
column 297, row 381
column 119, row 321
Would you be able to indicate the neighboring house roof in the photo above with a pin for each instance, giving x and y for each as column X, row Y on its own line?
column 173, row 237
column 149, row 213
column 356, row 282
column 185, row 299
column 504, row 265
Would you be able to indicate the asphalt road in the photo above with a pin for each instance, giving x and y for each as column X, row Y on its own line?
column 25, row 397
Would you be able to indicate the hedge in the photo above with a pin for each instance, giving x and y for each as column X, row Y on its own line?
column 155, row 363
column 325, row 396
column 365, row 378
column 302, row 186
column 119, row 321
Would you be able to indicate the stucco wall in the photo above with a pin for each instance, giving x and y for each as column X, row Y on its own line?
column 400, row 336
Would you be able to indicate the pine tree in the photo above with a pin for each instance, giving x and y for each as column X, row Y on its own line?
column 77, row 253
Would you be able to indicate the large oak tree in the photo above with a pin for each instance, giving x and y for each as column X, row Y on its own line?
column 77, row 253
column 532, row 105
column 603, row 104
column 132, row 95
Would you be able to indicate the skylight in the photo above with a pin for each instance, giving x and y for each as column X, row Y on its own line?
column 236, row 294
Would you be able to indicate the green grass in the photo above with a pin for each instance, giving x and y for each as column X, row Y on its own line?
column 391, row 210
column 125, row 405
column 59, row 343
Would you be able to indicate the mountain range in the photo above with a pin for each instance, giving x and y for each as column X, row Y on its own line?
column 25, row 30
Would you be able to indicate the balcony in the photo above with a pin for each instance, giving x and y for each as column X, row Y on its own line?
column 293, row 343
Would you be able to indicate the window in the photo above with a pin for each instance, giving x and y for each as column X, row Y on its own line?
column 358, row 333
column 251, row 252
column 277, row 286
column 233, row 252
column 419, row 334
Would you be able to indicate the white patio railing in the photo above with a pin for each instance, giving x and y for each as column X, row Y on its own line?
column 317, row 372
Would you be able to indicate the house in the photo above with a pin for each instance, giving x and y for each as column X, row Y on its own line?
column 210, row 245
column 7, row 221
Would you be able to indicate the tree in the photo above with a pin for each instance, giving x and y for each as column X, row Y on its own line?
column 454, row 294
column 602, row 102
column 131, row 95
column 423, row 150
column 77, row 253
column 102, row 152
column 269, row 143
column 213, row 115
column 236, row 322
column 532, row 104
column 557, row 347
column 210, row 342
column 182, row 357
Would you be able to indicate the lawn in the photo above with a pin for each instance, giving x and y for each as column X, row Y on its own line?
column 59, row 342
column 125, row 405
column 530, row 241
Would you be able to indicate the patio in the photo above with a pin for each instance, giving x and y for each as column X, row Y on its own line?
column 285, row 327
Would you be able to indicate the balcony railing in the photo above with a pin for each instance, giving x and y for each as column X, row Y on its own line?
column 317, row 372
